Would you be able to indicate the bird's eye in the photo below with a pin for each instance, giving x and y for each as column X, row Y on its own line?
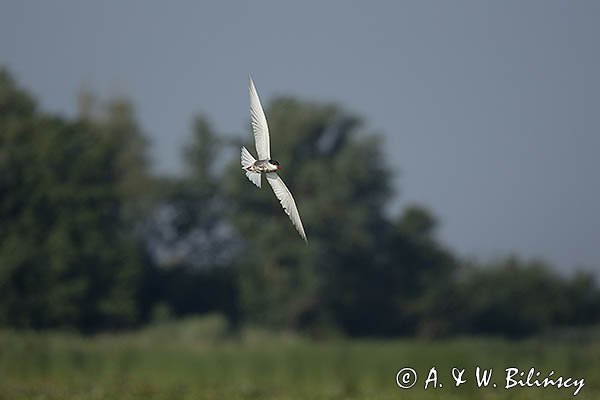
column 274, row 162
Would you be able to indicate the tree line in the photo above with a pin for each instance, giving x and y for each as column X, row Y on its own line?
column 91, row 239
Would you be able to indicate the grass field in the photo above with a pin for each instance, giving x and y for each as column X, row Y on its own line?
column 194, row 359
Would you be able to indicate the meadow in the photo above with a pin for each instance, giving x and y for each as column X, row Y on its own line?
column 198, row 359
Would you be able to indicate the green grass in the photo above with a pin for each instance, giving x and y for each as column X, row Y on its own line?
column 194, row 359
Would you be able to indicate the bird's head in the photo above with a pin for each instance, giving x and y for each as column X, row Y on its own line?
column 275, row 163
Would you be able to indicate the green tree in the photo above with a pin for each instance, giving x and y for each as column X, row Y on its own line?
column 67, row 255
column 189, row 233
column 188, row 226
column 519, row 298
column 417, row 277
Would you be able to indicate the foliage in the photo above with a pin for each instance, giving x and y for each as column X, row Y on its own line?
column 520, row 298
column 187, row 233
column 91, row 240
column 67, row 254
column 187, row 226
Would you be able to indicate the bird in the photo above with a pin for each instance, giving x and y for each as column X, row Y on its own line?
column 265, row 165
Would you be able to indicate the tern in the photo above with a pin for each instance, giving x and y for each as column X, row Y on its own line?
column 265, row 165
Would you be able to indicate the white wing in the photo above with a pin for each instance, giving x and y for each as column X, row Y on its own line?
column 259, row 125
column 287, row 202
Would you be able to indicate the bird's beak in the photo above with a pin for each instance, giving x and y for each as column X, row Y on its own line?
column 279, row 167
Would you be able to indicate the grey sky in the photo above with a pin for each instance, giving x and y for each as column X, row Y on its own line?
column 490, row 110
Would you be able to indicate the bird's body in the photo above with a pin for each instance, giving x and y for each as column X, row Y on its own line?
column 265, row 165
column 262, row 166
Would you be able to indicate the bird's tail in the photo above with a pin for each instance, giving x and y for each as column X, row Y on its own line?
column 248, row 161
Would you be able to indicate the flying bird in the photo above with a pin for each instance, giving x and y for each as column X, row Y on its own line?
column 265, row 165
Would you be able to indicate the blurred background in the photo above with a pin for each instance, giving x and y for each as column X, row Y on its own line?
column 443, row 156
